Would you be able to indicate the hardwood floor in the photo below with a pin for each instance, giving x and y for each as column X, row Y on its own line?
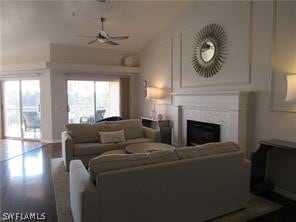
column 26, row 186
column 19, row 147
column 26, row 182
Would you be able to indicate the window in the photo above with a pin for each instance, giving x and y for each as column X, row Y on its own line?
column 91, row 101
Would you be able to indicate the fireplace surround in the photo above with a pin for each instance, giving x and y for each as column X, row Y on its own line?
column 225, row 108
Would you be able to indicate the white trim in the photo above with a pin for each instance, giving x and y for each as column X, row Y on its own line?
column 226, row 92
column 19, row 76
column 22, row 69
column 37, row 68
column 91, row 68
column 92, row 77
column 219, row 100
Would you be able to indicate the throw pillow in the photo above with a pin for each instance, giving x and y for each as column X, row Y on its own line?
column 112, row 137
column 103, row 127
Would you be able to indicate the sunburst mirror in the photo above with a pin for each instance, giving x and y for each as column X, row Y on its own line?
column 209, row 52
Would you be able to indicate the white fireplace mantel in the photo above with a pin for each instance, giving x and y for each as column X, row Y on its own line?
column 226, row 108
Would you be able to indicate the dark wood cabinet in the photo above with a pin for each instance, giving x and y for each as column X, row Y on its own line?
column 260, row 160
column 163, row 126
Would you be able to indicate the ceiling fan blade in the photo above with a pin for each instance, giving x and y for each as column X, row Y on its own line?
column 93, row 41
column 87, row 36
column 119, row 37
column 111, row 42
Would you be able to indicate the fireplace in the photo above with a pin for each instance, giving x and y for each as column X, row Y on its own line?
column 202, row 132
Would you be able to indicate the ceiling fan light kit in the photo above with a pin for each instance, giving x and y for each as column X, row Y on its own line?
column 103, row 37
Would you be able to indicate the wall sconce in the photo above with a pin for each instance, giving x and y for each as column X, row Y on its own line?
column 291, row 88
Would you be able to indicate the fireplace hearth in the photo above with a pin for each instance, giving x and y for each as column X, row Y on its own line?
column 201, row 132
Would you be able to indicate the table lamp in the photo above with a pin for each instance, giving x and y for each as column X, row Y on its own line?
column 291, row 88
column 154, row 93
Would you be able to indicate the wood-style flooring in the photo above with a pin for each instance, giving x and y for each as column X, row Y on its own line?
column 19, row 147
column 26, row 185
column 26, row 182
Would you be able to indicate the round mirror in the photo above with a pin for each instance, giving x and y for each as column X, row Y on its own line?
column 207, row 51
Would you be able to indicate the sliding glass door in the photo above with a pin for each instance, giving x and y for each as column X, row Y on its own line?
column 12, row 109
column 81, row 101
column 30, row 92
column 91, row 101
column 21, row 109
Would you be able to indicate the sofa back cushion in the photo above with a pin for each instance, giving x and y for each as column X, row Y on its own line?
column 206, row 149
column 133, row 128
column 163, row 156
column 104, row 127
column 111, row 162
column 82, row 133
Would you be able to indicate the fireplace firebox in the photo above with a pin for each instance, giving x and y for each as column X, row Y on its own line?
column 201, row 132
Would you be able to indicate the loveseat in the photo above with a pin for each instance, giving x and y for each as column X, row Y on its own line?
column 82, row 141
column 191, row 184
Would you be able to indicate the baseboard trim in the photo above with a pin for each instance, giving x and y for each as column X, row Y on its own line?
column 51, row 141
column 285, row 193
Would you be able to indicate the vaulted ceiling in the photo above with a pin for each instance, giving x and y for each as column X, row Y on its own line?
column 25, row 24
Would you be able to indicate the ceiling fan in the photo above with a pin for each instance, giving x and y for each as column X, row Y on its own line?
column 104, row 37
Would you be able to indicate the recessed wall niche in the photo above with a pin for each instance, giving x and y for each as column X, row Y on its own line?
column 284, row 56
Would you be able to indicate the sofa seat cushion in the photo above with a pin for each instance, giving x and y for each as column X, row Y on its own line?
column 111, row 152
column 122, row 145
column 206, row 149
column 106, row 163
column 133, row 128
column 82, row 133
column 81, row 149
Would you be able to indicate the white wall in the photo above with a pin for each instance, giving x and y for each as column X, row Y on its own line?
column 1, row 133
column 249, row 64
column 38, row 53
column 87, row 55
column 45, row 106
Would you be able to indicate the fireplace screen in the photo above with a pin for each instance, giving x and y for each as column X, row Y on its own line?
column 201, row 133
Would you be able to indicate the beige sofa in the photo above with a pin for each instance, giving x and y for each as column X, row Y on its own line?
column 81, row 141
column 201, row 184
